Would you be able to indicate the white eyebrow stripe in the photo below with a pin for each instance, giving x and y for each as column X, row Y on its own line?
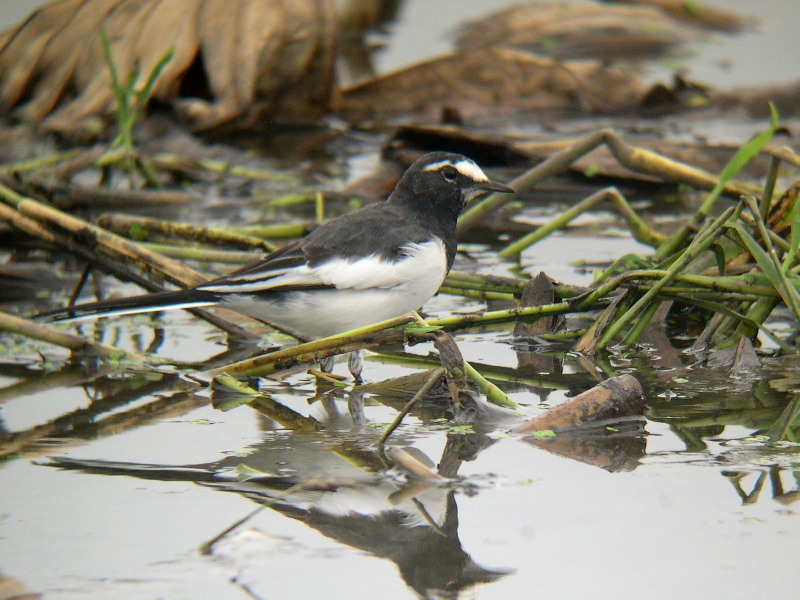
column 466, row 167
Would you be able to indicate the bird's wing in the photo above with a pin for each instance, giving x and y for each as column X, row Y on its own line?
column 325, row 258
column 283, row 270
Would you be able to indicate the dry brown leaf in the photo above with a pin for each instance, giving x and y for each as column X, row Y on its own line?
column 698, row 13
column 357, row 16
column 485, row 82
column 577, row 30
column 233, row 59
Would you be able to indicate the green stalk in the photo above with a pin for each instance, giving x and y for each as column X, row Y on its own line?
column 699, row 245
column 34, row 164
column 166, row 160
column 769, row 187
column 490, row 390
column 739, row 284
column 768, row 261
column 475, row 294
column 495, row 316
column 641, row 323
column 758, row 313
column 489, row 283
column 204, row 255
column 639, row 229
column 276, row 231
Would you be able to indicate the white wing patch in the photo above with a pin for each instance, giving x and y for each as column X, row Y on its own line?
column 420, row 263
column 466, row 167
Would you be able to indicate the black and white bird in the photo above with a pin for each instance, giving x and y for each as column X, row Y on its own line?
column 379, row 262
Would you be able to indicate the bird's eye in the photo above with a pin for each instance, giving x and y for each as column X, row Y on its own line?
column 449, row 173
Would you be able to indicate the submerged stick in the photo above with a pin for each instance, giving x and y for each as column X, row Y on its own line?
column 424, row 389
column 64, row 339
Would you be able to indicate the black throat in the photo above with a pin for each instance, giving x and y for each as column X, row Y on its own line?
column 430, row 207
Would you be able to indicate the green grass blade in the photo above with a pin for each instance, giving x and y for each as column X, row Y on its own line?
column 794, row 238
column 112, row 68
column 765, row 262
column 719, row 258
column 743, row 156
column 771, row 268
column 751, row 149
column 144, row 94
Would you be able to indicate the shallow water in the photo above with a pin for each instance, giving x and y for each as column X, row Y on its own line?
column 696, row 506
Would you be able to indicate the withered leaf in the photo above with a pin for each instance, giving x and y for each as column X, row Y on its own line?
column 577, row 30
column 700, row 14
column 233, row 59
column 484, row 82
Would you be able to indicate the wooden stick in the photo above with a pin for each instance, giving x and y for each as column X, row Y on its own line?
column 614, row 398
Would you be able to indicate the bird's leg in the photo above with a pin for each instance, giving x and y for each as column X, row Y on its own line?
column 355, row 405
column 355, row 364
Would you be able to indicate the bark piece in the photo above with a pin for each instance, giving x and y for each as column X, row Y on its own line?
column 614, row 398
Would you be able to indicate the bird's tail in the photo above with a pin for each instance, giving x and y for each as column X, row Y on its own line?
column 191, row 298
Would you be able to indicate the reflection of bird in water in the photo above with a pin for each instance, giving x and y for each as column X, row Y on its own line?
column 414, row 525
column 430, row 559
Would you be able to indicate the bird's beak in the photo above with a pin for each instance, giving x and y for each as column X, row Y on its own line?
column 485, row 187
column 496, row 186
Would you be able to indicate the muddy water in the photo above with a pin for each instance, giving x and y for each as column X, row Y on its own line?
column 700, row 504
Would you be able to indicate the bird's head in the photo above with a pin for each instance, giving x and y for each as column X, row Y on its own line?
column 444, row 182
